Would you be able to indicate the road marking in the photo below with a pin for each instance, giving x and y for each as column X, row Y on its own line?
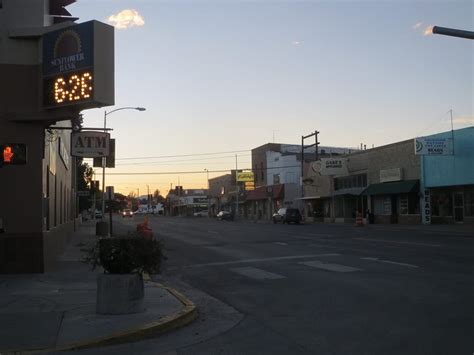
column 277, row 258
column 398, row 242
column 330, row 267
column 389, row 262
column 257, row 274
column 281, row 243
column 212, row 232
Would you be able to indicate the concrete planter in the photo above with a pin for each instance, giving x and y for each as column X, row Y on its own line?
column 120, row 294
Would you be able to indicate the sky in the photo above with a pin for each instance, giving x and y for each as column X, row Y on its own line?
column 226, row 76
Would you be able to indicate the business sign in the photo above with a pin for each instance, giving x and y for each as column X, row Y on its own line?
column 78, row 66
column 433, row 146
column 389, row 175
column 426, row 211
column 330, row 166
column 90, row 144
column 249, row 186
column 245, row 176
column 109, row 160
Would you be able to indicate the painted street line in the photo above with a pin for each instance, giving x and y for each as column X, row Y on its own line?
column 389, row 262
column 212, row 232
column 330, row 267
column 398, row 242
column 277, row 258
column 281, row 243
column 257, row 274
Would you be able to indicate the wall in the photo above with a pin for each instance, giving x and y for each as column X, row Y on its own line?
column 451, row 170
column 286, row 166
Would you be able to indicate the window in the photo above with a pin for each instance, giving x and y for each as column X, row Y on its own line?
column 261, row 172
column 256, row 173
column 469, row 204
column 441, row 204
column 350, row 182
column 403, row 204
column 276, row 179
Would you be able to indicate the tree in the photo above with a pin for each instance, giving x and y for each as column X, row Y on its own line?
column 157, row 196
column 84, row 181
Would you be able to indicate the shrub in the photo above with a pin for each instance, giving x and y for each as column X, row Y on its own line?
column 125, row 255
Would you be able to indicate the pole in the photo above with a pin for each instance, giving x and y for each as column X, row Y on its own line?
column 452, row 129
column 453, row 32
column 103, row 170
column 237, row 183
column 208, row 195
column 302, row 166
column 110, row 210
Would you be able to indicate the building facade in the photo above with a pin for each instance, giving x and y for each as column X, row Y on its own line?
column 447, row 181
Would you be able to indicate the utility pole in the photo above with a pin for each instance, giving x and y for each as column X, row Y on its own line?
column 316, row 155
column 237, row 183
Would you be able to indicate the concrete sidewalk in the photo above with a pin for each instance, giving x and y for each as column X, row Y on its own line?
column 56, row 310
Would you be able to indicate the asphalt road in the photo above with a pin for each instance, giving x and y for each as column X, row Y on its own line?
column 325, row 288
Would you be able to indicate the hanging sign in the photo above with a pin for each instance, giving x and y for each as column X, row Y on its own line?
column 90, row 144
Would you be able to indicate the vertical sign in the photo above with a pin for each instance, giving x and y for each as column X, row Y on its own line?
column 426, row 207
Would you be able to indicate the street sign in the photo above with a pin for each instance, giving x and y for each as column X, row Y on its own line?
column 109, row 192
column 90, row 144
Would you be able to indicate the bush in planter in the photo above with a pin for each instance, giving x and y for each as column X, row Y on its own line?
column 124, row 255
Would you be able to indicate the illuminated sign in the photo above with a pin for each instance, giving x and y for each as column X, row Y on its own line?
column 78, row 66
column 13, row 154
column 245, row 176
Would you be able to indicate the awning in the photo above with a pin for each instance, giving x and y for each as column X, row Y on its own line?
column 389, row 188
column 264, row 192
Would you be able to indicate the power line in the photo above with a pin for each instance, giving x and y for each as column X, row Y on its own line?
column 184, row 155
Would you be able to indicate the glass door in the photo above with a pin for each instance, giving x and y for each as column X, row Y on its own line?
column 458, row 206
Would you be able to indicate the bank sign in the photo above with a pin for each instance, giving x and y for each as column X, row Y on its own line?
column 330, row 166
column 78, row 66
column 90, row 144
column 433, row 146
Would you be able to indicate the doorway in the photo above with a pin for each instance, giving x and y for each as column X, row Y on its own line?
column 458, row 207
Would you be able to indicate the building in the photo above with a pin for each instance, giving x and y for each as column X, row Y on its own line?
column 382, row 180
column 447, row 181
column 37, row 209
column 220, row 189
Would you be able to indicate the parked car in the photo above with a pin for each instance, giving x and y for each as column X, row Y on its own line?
column 201, row 214
column 287, row 215
column 127, row 213
column 98, row 214
column 225, row 216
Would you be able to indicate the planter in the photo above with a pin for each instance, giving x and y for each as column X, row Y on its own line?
column 120, row 294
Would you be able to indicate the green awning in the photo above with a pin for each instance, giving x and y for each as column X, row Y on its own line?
column 396, row 187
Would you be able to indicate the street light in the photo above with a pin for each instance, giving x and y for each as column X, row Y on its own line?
column 450, row 32
column 103, row 158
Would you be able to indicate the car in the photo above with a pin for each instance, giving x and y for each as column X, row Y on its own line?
column 127, row 213
column 201, row 214
column 225, row 216
column 287, row 215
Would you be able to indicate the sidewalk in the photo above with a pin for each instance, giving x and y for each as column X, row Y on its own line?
column 56, row 310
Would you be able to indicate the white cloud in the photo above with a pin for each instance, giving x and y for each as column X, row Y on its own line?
column 126, row 19
column 296, row 43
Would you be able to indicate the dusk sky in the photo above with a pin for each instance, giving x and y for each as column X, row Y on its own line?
column 227, row 76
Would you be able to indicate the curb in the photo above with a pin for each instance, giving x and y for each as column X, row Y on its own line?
column 174, row 321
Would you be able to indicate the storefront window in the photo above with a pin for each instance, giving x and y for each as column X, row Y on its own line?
column 469, row 204
column 404, row 204
column 441, row 204
column 382, row 206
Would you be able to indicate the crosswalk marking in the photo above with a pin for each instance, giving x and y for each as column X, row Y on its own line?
column 330, row 267
column 258, row 260
column 389, row 262
column 257, row 274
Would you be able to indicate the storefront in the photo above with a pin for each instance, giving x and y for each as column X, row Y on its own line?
column 448, row 180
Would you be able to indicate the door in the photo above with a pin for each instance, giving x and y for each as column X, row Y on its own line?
column 458, row 206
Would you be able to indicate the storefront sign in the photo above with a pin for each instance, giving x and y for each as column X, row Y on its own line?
column 433, row 146
column 389, row 175
column 245, row 176
column 426, row 207
column 330, row 166
column 249, row 186
column 90, row 144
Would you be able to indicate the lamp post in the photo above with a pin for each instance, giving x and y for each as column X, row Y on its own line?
column 208, row 194
column 104, row 158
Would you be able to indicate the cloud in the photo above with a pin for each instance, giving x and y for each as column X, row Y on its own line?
column 296, row 43
column 417, row 25
column 126, row 19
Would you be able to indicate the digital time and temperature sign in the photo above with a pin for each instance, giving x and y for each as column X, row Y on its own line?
column 71, row 58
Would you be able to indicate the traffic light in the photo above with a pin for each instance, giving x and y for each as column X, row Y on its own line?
column 13, row 154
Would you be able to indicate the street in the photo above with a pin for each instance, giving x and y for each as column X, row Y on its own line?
column 326, row 288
